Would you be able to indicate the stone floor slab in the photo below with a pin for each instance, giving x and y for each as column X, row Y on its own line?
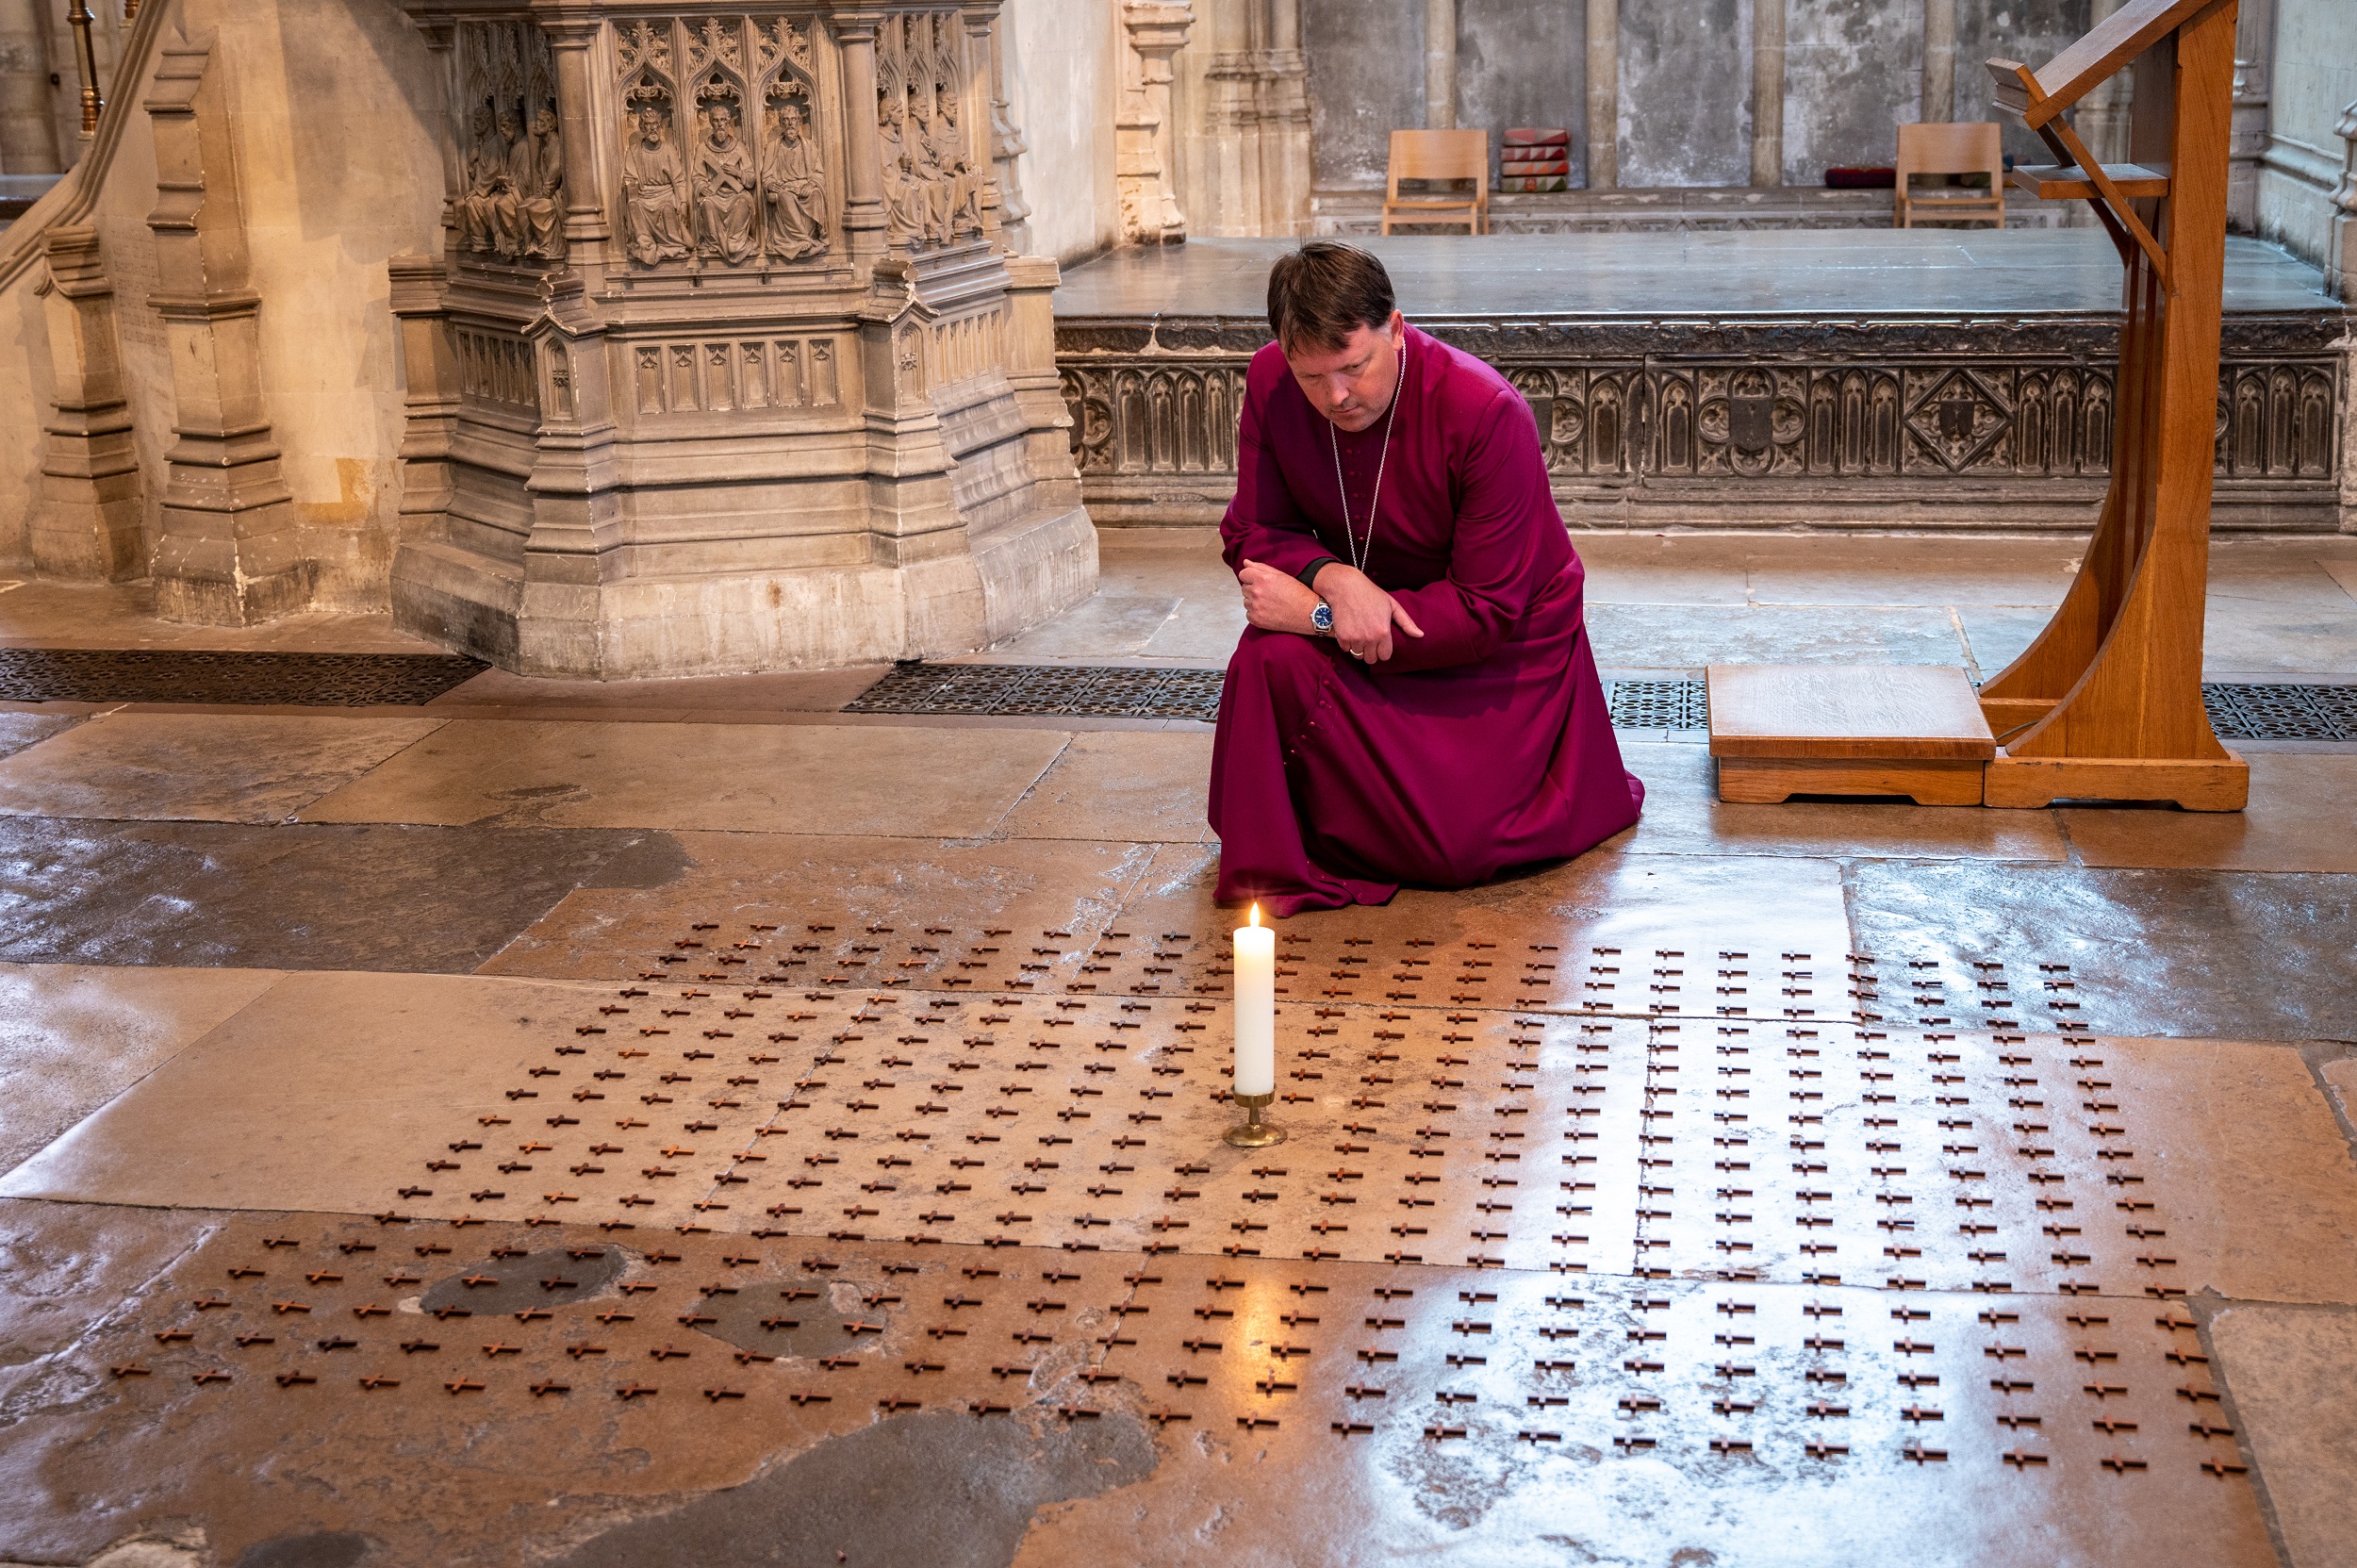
column 1122, row 786
column 317, row 1095
column 845, row 886
column 1682, row 816
column 20, row 729
column 214, row 767
column 1681, row 637
column 2189, row 953
column 1466, row 1415
column 2299, row 810
column 73, row 1037
column 294, row 896
column 920, row 783
column 2289, row 1370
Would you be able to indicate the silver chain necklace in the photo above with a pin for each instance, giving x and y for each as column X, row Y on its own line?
column 1358, row 559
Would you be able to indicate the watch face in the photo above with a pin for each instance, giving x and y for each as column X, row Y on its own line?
column 1323, row 619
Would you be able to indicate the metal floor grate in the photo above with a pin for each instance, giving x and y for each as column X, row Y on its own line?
column 1074, row 690
column 2282, row 712
column 212, row 675
column 1657, row 705
column 2238, row 712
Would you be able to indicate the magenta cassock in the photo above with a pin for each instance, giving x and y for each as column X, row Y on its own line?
column 1483, row 745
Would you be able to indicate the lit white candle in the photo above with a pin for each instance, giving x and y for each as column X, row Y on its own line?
column 1256, row 1007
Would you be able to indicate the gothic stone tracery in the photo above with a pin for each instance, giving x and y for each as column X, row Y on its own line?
column 722, row 158
column 509, row 204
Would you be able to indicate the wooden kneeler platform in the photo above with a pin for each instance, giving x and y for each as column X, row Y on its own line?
column 1778, row 731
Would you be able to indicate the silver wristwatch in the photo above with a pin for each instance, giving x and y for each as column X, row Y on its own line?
column 1323, row 619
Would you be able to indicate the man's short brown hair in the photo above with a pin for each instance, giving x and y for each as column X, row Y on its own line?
column 1323, row 293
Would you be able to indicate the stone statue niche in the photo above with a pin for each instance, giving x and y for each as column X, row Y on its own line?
column 721, row 181
column 655, row 182
column 793, row 185
column 508, row 208
column 933, row 180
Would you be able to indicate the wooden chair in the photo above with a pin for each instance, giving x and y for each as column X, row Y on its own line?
column 1432, row 156
column 1938, row 151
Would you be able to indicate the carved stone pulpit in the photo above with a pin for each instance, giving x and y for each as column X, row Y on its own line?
column 724, row 366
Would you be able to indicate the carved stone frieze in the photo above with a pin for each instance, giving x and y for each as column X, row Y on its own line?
column 721, row 162
column 508, row 204
column 731, row 372
column 1833, row 418
column 933, row 186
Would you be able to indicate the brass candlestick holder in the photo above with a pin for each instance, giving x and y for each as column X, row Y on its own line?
column 1254, row 1133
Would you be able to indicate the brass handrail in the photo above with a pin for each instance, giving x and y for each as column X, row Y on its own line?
column 78, row 16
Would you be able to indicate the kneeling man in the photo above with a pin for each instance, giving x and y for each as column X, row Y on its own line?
column 1415, row 701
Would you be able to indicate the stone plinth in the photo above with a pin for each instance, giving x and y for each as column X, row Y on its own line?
column 725, row 368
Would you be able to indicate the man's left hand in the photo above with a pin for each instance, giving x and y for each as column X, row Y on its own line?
column 1275, row 601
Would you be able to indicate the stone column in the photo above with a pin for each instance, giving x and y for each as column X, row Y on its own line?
column 979, row 116
column 2340, row 243
column 28, row 125
column 2101, row 116
column 1285, row 172
column 88, row 523
column 863, row 159
column 1007, row 146
column 227, row 554
column 1940, row 62
column 1156, row 29
column 2247, row 135
column 429, row 390
column 1603, row 94
column 1440, row 65
column 1768, row 92
column 587, row 230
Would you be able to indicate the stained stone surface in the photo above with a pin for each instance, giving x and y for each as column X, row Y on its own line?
column 2224, row 955
column 361, row 896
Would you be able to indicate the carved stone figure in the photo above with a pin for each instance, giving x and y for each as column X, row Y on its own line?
column 724, row 189
column 961, row 190
column 543, row 210
column 655, row 192
column 487, row 171
column 902, row 197
column 931, row 191
column 514, row 178
column 793, row 188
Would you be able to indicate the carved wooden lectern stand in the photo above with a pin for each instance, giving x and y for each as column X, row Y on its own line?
column 2107, row 702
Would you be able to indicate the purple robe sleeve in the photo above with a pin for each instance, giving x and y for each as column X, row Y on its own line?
column 1500, row 557
column 1263, row 522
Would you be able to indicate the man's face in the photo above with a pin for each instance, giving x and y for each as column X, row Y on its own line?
column 545, row 121
column 723, row 125
column 1352, row 386
column 650, row 124
column 791, row 121
column 508, row 127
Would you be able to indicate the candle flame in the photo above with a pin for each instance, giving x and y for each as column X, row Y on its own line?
column 1255, row 914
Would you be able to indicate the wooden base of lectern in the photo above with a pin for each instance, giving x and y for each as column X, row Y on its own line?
column 2027, row 782
column 1784, row 730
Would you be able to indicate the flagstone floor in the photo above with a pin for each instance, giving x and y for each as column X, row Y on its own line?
column 681, row 1123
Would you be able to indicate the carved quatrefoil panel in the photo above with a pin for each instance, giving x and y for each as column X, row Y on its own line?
column 1957, row 421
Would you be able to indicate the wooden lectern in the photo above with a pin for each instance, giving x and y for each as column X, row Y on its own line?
column 2107, row 702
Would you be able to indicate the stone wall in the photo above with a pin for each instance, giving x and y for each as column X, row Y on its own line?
column 1060, row 73
column 2311, row 83
column 328, row 109
column 1853, row 75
